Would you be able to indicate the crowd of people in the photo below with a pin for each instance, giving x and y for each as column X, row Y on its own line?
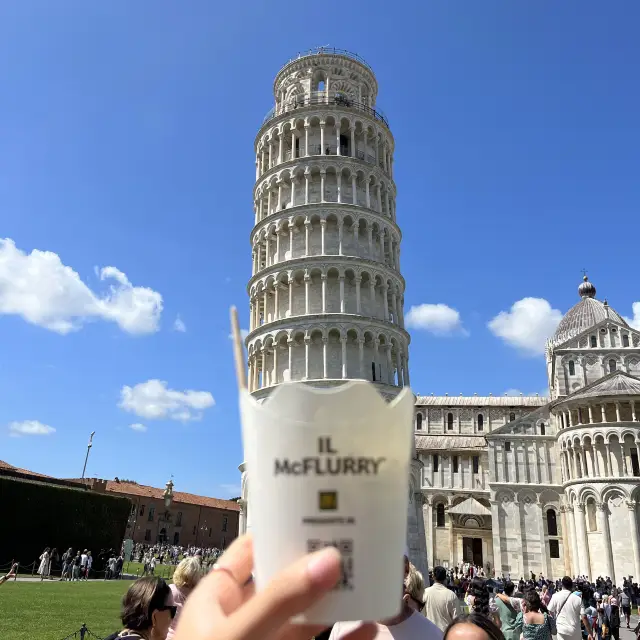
column 76, row 566
column 459, row 603
column 171, row 553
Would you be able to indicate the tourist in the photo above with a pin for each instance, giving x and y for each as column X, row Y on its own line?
column 567, row 608
column 11, row 574
column 508, row 609
column 414, row 589
column 612, row 618
column 473, row 626
column 224, row 604
column 55, row 559
column 406, row 625
column 84, row 559
column 67, row 562
column 119, row 563
column 625, row 603
column 545, row 595
column 185, row 578
column 479, row 601
column 45, row 564
column 76, row 567
column 87, row 567
column 110, row 571
column 441, row 605
column 147, row 610
column 535, row 625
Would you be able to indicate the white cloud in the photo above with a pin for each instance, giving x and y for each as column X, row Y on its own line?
column 136, row 426
column 439, row 319
column 243, row 334
column 45, row 292
column 179, row 325
column 527, row 325
column 30, row 428
column 635, row 321
column 153, row 400
column 231, row 490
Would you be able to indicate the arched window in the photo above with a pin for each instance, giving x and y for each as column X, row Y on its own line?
column 440, row 515
column 612, row 365
column 552, row 523
column 480, row 422
column 592, row 520
column 625, row 340
column 450, row 421
column 179, row 519
column 572, row 368
column 512, row 416
column 419, row 422
column 594, row 341
column 543, row 429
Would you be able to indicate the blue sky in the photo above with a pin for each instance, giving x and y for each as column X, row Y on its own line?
column 126, row 141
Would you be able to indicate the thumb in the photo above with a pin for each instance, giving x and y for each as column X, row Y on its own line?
column 292, row 591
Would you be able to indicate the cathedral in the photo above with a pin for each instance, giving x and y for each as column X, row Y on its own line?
column 516, row 484
column 544, row 485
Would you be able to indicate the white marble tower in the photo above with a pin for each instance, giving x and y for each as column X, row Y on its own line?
column 326, row 293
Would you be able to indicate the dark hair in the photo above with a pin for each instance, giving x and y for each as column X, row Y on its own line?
column 478, row 589
column 567, row 582
column 481, row 621
column 533, row 600
column 143, row 597
column 440, row 574
column 508, row 588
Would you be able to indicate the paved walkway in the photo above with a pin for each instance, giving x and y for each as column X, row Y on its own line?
column 627, row 634
column 56, row 580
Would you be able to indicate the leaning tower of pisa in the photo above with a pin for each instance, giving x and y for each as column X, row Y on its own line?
column 326, row 292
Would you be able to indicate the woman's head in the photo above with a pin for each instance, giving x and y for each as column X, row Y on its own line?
column 473, row 626
column 532, row 600
column 478, row 589
column 148, row 606
column 187, row 573
column 47, row 549
column 414, row 589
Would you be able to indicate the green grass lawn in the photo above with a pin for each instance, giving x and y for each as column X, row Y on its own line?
column 137, row 569
column 53, row 610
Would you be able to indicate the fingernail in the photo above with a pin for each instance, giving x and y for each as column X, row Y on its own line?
column 323, row 565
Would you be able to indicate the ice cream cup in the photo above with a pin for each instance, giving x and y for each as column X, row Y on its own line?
column 331, row 467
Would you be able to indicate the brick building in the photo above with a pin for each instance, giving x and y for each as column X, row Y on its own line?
column 189, row 520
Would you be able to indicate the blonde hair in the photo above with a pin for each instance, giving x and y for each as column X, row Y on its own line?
column 187, row 573
column 414, row 584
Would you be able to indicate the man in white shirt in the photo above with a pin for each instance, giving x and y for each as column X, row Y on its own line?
column 407, row 625
column 566, row 607
column 441, row 605
column 84, row 558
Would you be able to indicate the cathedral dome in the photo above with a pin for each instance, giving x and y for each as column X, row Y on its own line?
column 587, row 313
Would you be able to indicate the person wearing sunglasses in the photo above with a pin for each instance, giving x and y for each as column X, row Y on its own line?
column 147, row 610
column 414, row 589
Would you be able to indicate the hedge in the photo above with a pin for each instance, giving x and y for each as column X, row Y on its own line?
column 37, row 515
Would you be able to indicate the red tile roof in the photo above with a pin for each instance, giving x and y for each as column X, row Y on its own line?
column 144, row 491
column 134, row 489
column 10, row 467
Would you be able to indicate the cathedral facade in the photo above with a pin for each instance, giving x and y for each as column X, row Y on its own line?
column 548, row 485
